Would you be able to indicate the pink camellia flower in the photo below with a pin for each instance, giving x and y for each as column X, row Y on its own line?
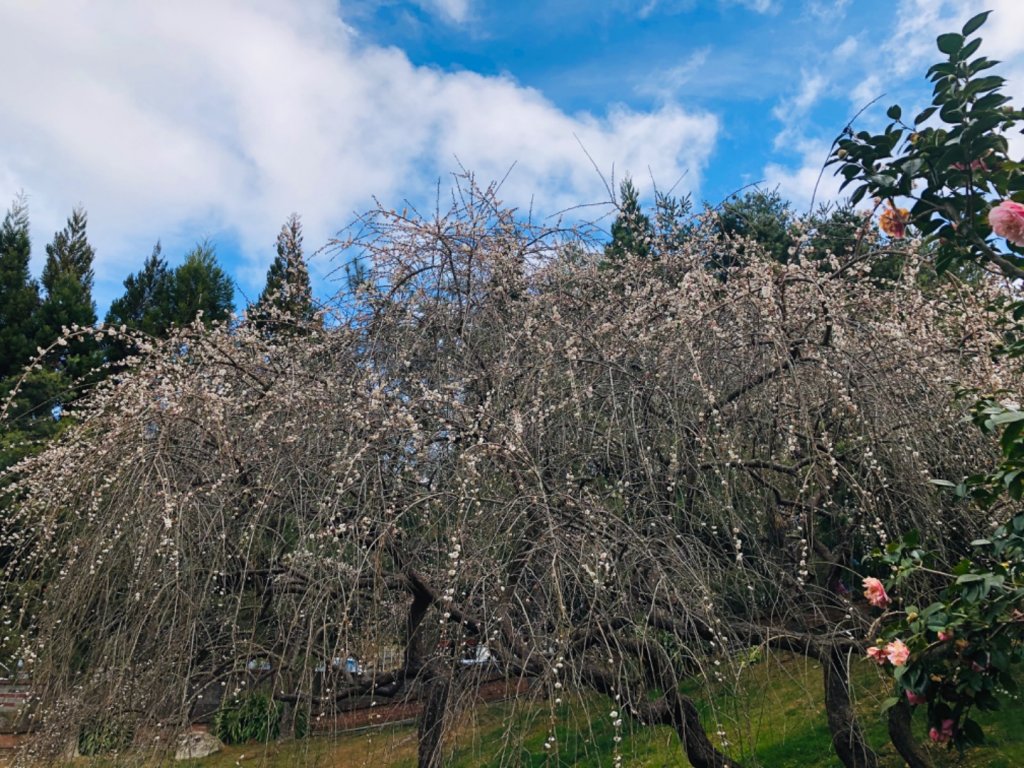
column 942, row 735
column 916, row 698
column 1007, row 220
column 874, row 591
column 877, row 655
column 897, row 653
column 946, row 635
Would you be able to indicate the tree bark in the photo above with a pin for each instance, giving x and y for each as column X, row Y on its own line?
column 437, row 694
column 699, row 750
column 902, row 738
column 847, row 737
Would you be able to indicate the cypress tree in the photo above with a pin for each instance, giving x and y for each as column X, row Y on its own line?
column 200, row 285
column 288, row 293
column 765, row 217
column 67, row 280
column 631, row 230
column 19, row 293
column 147, row 302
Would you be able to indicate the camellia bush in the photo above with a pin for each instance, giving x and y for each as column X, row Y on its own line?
column 616, row 480
column 956, row 652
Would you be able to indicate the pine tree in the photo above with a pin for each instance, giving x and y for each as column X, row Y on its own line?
column 19, row 293
column 631, row 230
column 288, row 293
column 765, row 217
column 147, row 302
column 200, row 285
column 67, row 280
column 70, row 253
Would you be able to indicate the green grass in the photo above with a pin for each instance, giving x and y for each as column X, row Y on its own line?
column 771, row 714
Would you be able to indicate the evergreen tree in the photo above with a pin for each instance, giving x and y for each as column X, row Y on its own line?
column 67, row 280
column 288, row 292
column 147, row 303
column 631, row 231
column 70, row 253
column 672, row 222
column 764, row 217
column 200, row 285
column 19, row 293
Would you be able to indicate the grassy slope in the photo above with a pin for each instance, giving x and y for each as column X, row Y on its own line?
column 773, row 717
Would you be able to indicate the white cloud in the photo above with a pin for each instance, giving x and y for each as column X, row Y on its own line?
column 669, row 83
column 798, row 184
column 846, row 49
column 866, row 91
column 455, row 11
column 792, row 112
column 758, row 6
column 917, row 23
column 828, row 10
column 171, row 120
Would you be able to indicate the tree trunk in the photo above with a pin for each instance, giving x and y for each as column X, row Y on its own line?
column 699, row 749
column 437, row 695
column 902, row 738
column 847, row 737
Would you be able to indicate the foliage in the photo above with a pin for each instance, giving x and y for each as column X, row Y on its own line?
column 201, row 288
column 964, row 643
column 248, row 717
column 103, row 736
column 763, row 217
column 631, row 231
column 148, row 300
column 287, row 294
column 68, row 304
column 953, row 170
column 19, row 293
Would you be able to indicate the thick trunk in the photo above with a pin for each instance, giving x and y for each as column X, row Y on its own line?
column 699, row 749
column 437, row 695
column 903, row 739
column 847, row 737
column 415, row 638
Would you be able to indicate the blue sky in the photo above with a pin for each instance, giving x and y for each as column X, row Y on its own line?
column 217, row 118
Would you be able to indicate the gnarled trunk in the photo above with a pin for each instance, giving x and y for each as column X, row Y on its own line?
column 699, row 749
column 847, row 736
column 903, row 739
column 437, row 695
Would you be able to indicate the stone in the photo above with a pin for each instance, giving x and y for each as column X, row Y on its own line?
column 197, row 744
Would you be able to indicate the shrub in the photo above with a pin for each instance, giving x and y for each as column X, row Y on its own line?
column 249, row 717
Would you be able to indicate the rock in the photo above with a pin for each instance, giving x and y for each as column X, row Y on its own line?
column 196, row 744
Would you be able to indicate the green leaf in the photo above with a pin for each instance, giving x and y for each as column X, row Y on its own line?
column 972, row 732
column 975, row 22
column 969, row 578
column 894, row 112
column 925, row 114
column 1007, row 417
column 989, row 83
column 970, row 48
column 888, row 704
column 950, row 43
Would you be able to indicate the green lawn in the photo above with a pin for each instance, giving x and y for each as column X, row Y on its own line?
column 772, row 716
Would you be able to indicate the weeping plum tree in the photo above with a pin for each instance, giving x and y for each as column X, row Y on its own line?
column 616, row 480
